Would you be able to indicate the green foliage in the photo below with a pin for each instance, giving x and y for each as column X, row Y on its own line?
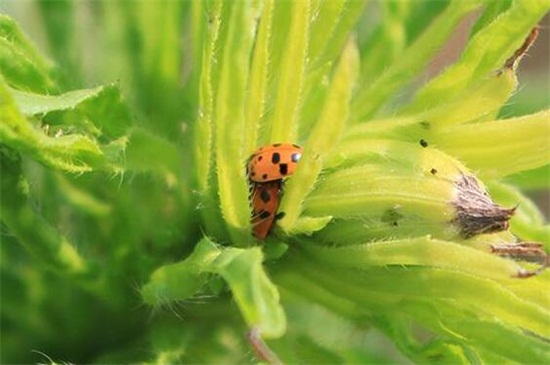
column 21, row 62
column 125, row 201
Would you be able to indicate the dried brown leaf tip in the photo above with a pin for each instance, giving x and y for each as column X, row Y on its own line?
column 518, row 54
column 476, row 213
column 525, row 251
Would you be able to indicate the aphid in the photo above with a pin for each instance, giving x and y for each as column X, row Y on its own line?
column 273, row 162
column 265, row 202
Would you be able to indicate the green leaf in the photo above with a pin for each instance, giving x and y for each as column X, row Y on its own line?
column 536, row 179
column 388, row 183
column 528, row 223
column 79, row 197
column 210, row 18
column 160, row 26
column 255, row 295
column 486, row 52
column 181, row 280
column 203, row 141
column 21, row 63
column 421, row 251
column 101, row 106
column 492, row 10
column 322, row 26
column 259, row 73
column 282, row 126
column 62, row 36
column 529, row 99
column 482, row 145
column 388, row 41
column 349, row 192
column 484, row 101
column 147, row 152
column 72, row 152
column 370, row 98
column 42, row 240
column 161, row 55
column 230, row 155
column 421, row 292
column 330, row 29
column 323, row 137
column 309, row 225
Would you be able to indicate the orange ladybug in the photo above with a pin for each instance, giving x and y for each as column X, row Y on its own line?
column 267, row 167
column 265, row 202
column 273, row 162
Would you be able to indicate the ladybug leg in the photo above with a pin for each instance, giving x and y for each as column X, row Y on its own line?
column 252, row 189
column 280, row 216
column 260, row 216
column 252, row 193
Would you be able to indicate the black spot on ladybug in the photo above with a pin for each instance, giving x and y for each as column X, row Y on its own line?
column 275, row 157
column 276, row 144
column 260, row 158
column 264, row 195
column 280, row 216
column 264, row 214
column 264, row 176
column 295, row 157
column 252, row 173
column 423, row 143
column 283, row 169
column 433, row 171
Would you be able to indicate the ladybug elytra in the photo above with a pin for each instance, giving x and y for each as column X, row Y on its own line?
column 273, row 162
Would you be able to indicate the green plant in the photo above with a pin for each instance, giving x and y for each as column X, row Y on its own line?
column 133, row 196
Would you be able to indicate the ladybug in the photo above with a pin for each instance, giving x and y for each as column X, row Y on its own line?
column 273, row 162
column 267, row 167
column 265, row 202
